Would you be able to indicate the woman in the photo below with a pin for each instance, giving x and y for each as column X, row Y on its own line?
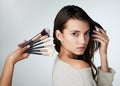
column 76, row 39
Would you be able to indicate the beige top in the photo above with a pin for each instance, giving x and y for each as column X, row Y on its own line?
column 66, row 75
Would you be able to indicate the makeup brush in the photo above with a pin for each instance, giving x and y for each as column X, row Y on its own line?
column 42, row 50
column 42, row 38
column 42, row 41
column 47, row 50
column 37, row 37
column 40, row 47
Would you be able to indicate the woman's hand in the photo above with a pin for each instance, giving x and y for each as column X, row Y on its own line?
column 103, row 39
column 18, row 54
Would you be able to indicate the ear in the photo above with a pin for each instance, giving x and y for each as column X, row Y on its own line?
column 59, row 35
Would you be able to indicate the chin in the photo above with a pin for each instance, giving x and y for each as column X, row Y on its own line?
column 79, row 53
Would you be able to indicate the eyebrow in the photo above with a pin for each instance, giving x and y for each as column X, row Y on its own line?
column 79, row 30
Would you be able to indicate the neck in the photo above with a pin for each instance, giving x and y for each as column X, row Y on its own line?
column 66, row 55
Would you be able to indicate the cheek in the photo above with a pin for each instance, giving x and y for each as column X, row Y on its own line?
column 69, row 42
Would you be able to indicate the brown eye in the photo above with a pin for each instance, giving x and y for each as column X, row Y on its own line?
column 87, row 33
column 75, row 34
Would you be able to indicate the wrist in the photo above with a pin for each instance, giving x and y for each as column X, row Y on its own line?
column 103, row 55
column 11, row 61
column 104, row 63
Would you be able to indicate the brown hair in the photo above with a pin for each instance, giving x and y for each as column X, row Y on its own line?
column 75, row 12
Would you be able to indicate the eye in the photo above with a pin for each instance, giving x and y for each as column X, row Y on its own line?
column 87, row 33
column 75, row 34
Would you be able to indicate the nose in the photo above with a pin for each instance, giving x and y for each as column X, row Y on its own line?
column 82, row 39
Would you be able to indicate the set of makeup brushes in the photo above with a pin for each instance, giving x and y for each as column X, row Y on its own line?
column 38, row 44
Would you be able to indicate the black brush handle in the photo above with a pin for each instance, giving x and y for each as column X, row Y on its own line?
column 34, row 42
column 35, row 53
column 37, row 44
column 29, row 51
column 37, row 47
column 33, row 49
column 27, row 43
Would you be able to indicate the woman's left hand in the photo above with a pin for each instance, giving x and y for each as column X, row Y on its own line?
column 103, row 39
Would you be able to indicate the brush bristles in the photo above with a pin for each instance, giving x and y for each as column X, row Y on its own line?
column 51, row 50
column 45, row 31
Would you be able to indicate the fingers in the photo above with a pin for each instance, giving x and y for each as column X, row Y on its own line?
column 25, row 48
column 100, row 36
column 24, row 55
column 103, row 31
column 20, row 44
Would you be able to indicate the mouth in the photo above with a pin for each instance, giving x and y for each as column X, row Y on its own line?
column 81, row 48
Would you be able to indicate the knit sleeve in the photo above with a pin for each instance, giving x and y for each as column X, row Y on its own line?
column 105, row 78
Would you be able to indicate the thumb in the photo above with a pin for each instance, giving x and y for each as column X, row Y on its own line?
column 25, row 48
column 25, row 55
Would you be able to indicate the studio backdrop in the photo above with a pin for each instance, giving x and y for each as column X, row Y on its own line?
column 22, row 19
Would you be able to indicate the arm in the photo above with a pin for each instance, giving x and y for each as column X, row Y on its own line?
column 103, row 39
column 6, row 77
column 105, row 74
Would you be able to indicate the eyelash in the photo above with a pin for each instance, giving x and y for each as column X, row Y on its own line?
column 76, row 34
column 87, row 33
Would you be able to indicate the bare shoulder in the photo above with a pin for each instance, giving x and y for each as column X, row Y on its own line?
column 80, row 64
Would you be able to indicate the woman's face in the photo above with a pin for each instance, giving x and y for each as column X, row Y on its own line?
column 75, row 37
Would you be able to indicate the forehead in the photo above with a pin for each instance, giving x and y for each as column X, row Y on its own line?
column 75, row 24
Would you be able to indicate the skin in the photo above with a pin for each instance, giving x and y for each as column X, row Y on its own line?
column 104, row 41
column 74, row 40
column 12, row 59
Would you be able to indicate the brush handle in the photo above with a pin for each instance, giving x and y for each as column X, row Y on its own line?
column 41, row 39
column 29, row 51
column 37, row 41
column 36, row 47
column 35, row 53
column 27, row 43
column 37, row 44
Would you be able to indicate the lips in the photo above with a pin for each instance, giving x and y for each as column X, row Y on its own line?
column 81, row 48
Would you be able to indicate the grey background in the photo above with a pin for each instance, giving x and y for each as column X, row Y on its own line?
column 22, row 19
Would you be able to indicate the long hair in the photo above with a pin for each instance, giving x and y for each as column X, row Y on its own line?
column 75, row 12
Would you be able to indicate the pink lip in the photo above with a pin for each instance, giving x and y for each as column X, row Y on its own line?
column 81, row 48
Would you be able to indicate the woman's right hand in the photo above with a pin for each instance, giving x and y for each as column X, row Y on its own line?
column 18, row 54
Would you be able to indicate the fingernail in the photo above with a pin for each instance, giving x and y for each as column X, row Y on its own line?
column 28, row 46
